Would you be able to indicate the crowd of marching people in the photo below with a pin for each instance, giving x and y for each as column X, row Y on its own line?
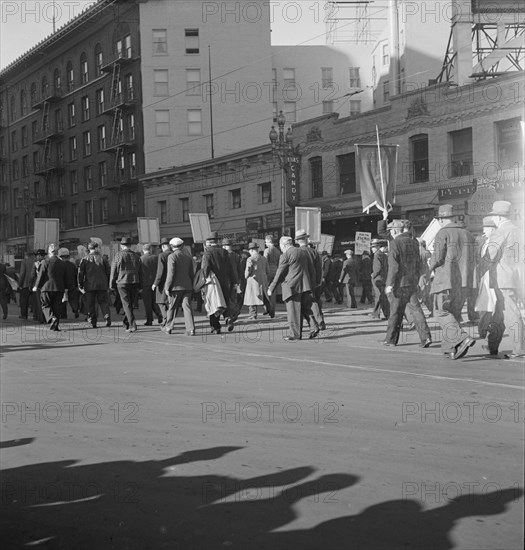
column 397, row 278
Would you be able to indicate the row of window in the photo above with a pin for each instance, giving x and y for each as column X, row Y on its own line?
column 264, row 196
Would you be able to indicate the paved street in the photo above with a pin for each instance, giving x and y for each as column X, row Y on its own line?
column 247, row 441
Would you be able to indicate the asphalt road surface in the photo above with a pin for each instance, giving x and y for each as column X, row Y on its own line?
column 246, row 441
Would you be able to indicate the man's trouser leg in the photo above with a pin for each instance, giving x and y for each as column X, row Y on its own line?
column 418, row 317
column 128, row 294
column 507, row 316
column 307, row 311
column 148, row 296
column 398, row 301
column 446, row 305
column 293, row 311
column 24, row 302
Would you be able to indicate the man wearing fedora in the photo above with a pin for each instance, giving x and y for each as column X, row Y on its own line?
column 216, row 260
column 161, row 298
column 150, row 264
column 401, row 284
column 379, row 273
column 296, row 273
column 350, row 277
column 505, row 249
column 179, row 286
column 272, row 254
column 453, row 264
column 126, row 278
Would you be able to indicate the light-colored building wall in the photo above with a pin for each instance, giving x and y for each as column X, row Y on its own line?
column 241, row 80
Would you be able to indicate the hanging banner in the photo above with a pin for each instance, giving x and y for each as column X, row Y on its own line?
column 376, row 179
column 292, row 170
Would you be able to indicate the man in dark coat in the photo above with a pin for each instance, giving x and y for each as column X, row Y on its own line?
column 161, row 298
column 401, row 284
column 336, row 288
column 296, row 273
column 93, row 283
column 179, row 286
column 24, row 283
column 215, row 259
column 150, row 263
column 238, row 274
column 350, row 277
column 73, row 294
column 506, row 248
column 365, row 274
column 52, row 281
column 379, row 274
column 126, row 278
column 5, row 291
column 453, row 264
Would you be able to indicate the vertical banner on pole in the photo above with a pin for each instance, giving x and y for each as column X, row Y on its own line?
column 200, row 227
column 309, row 219
column 46, row 231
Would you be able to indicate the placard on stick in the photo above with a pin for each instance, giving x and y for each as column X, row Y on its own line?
column 362, row 242
column 309, row 219
column 46, row 232
column 327, row 243
column 200, row 227
column 149, row 230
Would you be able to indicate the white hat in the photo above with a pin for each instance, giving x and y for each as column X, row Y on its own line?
column 63, row 252
column 176, row 242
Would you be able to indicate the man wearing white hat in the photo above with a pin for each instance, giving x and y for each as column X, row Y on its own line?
column 505, row 249
column 179, row 287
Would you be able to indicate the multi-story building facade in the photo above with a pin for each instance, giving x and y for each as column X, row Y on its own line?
column 70, row 142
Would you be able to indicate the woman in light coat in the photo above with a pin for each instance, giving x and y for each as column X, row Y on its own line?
column 257, row 273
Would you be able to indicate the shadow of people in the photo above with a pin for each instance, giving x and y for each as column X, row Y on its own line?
column 16, row 442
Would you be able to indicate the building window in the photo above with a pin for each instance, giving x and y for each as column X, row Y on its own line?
column 386, row 90
column 327, row 77
column 193, row 81
column 73, row 148
column 45, row 87
column 25, row 138
column 86, row 143
column 347, row 176
column 163, row 212
column 85, row 108
column 12, row 108
column 84, row 71
column 102, row 173
column 58, row 120
column 23, row 103
column 121, row 204
column 132, row 162
column 419, row 156
column 461, row 153
column 121, row 164
column 290, row 111
column 15, row 169
column 14, row 142
column 101, row 137
column 328, row 107
column 354, row 78
column 194, row 122
column 130, row 122
column 130, row 91
column 100, row 101
column 133, row 202
column 374, row 72
column 288, row 77
column 88, row 178
column 290, row 90
column 88, row 207
column 25, row 166
column 17, row 226
column 70, row 75
column 386, row 55
column 35, row 163
column 74, row 215
column 235, row 198
column 160, row 82
column 264, row 193
column 209, row 205
column 316, row 175
column 185, row 209
column 34, row 130
column 104, row 209
column 34, row 97
column 73, row 182
column 71, row 115
column 191, row 41
column 16, row 199
column 160, row 42
column 162, row 122
column 510, row 143
column 99, row 59
column 123, row 47
column 355, row 107
column 274, row 111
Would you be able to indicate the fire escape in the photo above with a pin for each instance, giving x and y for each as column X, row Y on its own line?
column 51, row 162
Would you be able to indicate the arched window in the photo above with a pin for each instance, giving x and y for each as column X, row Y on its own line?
column 45, row 87
column 23, row 103
column 57, row 82
column 34, row 97
column 12, row 108
column 122, row 41
column 99, row 59
column 70, row 76
column 84, row 72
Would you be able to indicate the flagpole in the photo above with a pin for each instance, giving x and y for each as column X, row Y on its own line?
column 383, row 192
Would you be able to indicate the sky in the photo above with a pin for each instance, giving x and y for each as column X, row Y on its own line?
column 24, row 23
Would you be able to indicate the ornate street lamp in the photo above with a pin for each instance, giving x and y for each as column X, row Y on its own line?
column 282, row 149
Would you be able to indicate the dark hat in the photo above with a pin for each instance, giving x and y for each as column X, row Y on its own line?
column 445, row 211
column 164, row 240
column 125, row 240
column 376, row 242
column 396, row 224
column 324, row 253
column 92, row 245
column 226, row 241
column 301, row 234
column 40, row 252
column 213, row 237
column 488, row 222
column 501, row 208
column 253, row 246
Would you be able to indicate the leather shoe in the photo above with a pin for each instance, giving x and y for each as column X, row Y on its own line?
column 426, row 343
column 313, row 334
column 387, row 343
column 148, row 324
column 290, row 339
column 462, row 349
column 322, row 326
column 108, row 322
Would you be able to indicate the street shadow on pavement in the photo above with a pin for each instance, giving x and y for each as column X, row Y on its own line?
column 153, row 505
column 16, row 442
